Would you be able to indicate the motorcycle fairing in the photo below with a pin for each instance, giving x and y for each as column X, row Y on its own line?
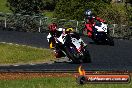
column 101, row 28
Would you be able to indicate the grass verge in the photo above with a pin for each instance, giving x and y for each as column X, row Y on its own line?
column 62, row 82
column 11, row 54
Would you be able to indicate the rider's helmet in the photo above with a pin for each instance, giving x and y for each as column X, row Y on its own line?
column 88, row 14
column 59, row 31
column 52, row 27
column 68, row 30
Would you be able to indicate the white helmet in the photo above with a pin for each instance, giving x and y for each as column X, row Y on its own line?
column 60, row 29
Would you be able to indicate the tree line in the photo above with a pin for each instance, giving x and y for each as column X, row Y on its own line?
column 74, row 9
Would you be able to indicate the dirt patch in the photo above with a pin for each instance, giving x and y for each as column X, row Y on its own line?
column 13, row 76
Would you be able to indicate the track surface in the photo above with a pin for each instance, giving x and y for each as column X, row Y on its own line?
column 104, row 57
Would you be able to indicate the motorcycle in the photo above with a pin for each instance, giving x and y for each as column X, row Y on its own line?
column 101, row 34
column 72, row 46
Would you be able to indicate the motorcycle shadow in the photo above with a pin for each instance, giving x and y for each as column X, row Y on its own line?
column 70, row 63
column 66, row 60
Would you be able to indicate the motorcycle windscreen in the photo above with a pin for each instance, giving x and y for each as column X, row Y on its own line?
column 101, row 28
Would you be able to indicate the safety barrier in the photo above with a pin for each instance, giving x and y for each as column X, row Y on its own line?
column 26, row 23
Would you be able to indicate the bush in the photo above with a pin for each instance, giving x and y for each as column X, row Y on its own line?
column 49, row 4
column 29, row 7
column 115, row 14
column 74, row 9
column 70, row 9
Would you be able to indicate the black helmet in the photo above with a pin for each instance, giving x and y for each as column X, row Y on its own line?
column 88, row 12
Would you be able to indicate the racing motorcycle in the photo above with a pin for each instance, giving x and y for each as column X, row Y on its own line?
column 101, row 34
column 72, row 46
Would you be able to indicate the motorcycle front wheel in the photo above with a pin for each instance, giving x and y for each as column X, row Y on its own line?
column 110, row 41
column 86, row 56
column 73, row 55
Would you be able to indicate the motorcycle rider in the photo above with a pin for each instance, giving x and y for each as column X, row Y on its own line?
column 90, row 21
column 52, row 32
column 58, row 34
column 55, row 32
column 52, row 28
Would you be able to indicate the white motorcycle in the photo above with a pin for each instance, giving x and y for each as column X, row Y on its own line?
column 72, row 46
column 101, row 34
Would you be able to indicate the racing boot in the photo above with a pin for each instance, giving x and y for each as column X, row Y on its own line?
column 51, row 45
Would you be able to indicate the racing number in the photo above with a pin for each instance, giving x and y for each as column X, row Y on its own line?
column 104, row 28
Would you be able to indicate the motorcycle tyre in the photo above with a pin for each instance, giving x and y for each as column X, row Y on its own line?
column 72, row 57
column 86, row 57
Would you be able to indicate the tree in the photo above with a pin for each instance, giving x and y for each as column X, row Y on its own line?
column 74, row 9
column 69, row 9
column 129, row 1
column 107, row 1
column 29, row 7
column 49, row 4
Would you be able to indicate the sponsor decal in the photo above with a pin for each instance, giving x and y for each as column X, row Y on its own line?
column 101, row 78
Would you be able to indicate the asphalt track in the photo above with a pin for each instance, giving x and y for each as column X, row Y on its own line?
column 104, row 57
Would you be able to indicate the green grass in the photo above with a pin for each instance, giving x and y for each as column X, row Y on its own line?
column 3, row 7
column 10, row 54
column 63, row 82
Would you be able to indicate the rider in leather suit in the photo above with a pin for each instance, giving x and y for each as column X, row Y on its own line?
column 90, row 21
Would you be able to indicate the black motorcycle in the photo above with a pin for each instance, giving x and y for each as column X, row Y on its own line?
column 72, row 46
